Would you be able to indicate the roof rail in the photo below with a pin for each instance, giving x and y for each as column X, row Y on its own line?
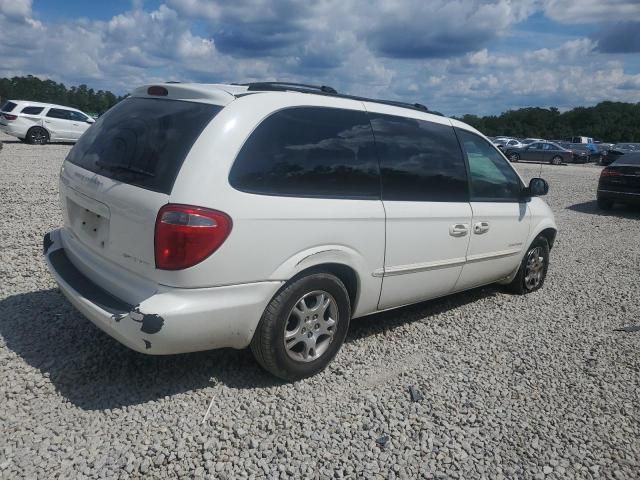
column 283, row 86
column 325, row 90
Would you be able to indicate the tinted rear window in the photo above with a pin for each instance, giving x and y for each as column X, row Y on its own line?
column 32, row 110
column 310, row 152
column 8, row 107
column 419, row 160
column 143, row 141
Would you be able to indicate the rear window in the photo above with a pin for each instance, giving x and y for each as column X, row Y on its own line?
column 8, row 107
column 143, row 141
column 32, row 110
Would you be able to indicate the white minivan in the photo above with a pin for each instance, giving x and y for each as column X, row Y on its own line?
column 39, row 123
column 269, row 215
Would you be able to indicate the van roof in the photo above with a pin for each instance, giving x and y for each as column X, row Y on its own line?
column 225, row 93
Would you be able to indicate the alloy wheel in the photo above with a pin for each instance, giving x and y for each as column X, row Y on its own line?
column 311, row 326
column 534, row 269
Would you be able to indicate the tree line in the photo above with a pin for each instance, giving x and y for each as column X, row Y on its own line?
column 607, row 121
column 81, row 97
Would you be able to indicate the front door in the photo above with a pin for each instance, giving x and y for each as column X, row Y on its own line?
column 426, row 201
column 501, row 219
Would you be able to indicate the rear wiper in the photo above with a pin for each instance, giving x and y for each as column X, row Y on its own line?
column 119, row 167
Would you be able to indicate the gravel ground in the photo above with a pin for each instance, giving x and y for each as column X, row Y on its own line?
column 540, row 386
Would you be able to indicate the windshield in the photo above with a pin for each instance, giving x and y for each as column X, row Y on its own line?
column 143, row 141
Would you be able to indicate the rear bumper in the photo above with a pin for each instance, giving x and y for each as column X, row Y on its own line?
column 623, row 197
column 10, row 129
column 172, row 320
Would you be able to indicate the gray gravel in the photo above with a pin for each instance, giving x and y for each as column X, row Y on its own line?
column 540, row 386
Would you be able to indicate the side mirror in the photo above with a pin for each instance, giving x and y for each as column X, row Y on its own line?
column 538, row 187
column 90, row 120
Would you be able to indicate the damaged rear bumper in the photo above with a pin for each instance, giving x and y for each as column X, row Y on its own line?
column 171, row 320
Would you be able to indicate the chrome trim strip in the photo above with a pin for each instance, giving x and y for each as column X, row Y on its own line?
column 620, row 193
column 454, row 262
column 489, row 256
column 418, row 267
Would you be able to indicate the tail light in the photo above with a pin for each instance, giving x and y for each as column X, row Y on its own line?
column 608, row 172
column 186, row 235
column 9, row 117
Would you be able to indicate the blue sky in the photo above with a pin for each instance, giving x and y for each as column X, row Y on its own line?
column 455, row 56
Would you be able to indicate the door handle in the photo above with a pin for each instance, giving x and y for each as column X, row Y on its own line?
column 480, row 228
column 459, row 230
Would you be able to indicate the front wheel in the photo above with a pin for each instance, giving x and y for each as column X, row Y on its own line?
column 303, row 327
column 533, row 268
column 557, row 160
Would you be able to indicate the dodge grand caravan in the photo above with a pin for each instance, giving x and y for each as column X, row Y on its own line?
column 269, row 215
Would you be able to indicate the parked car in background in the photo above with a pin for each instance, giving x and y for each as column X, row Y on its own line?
column 546, row 152
column 618, row 150
column 602, row 149
column 581, row 139
column 508, row 143
column 620, row 182
column 581, row 153
column 39, row 123
column 359, row 205
column 528, row 141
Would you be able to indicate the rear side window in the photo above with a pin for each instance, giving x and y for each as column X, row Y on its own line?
column 8, row 107
column 32, row 110
column 59, row 113
column 491, row 177
column 419, row 160
column 309, row 152
column 143, row 141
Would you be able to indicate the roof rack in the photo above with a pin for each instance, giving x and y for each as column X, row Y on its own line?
column 330, row 91
column 283, row 86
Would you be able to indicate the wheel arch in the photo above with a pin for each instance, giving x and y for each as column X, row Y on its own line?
column 340, row 261
column 550, row 234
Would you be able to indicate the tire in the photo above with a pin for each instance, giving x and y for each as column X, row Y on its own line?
column 514, row 157
column 37, row 136
column 524, row 282
column 604, row 204
column 292, row 310
column 557, row 160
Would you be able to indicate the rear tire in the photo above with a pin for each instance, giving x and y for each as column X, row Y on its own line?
column 296, row 313
column 557, row 160
column 514, row 157
column 604, row 204
column 533, row 268
column 37, row 136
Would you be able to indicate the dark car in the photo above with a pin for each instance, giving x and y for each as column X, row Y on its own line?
column 620, row 182
column 617, row 151
column 541, row 152
column 581, row 153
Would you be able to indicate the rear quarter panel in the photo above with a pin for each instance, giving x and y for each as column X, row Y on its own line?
column 273, row 237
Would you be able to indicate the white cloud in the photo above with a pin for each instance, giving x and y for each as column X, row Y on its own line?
column 328, row 42
column 591, row 11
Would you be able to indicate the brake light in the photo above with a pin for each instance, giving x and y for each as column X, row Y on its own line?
column 186, row 235
column 157, row 90
column 9, row 117
column 608, row 172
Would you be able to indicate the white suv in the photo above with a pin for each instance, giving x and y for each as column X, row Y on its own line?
column 39, row 123
column 268, row 215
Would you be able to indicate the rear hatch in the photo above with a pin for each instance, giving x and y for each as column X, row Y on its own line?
column 121, row 172
column 5, row 112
